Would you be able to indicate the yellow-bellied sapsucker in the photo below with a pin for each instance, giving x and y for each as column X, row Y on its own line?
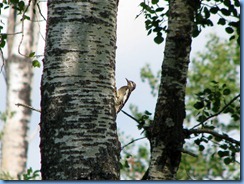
column 123, row 94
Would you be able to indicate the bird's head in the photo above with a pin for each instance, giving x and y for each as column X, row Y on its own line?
column 131, row 84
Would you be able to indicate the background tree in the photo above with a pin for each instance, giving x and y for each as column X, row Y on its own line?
column 78, row 130
column 222, row 56
column 22, row 40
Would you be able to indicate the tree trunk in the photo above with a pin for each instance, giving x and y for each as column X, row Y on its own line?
column 19, row 79
column 78, row 129
column 167, row 130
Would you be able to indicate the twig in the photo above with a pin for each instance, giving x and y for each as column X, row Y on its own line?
column 131, row 117
column 20, row 32
column 134, row 140
column 27, row 106
column 188, row 152
column 38, row 6
column 208, row 131
column 1, row 51
column 22, row 27
column 236, row 97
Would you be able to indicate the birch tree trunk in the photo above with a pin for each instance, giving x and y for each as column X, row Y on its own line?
column 78, row 129
column 19, row 79
column 167, row 130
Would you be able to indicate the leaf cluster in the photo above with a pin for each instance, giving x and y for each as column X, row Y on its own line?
column 132, row 166
column 228, row 12
column 155, row 16
column 210, row 100
column 30, row 175
column 20, row 8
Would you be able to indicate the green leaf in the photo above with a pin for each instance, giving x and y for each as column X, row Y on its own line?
column 236, row 117
column 227, row 161
column 159, row 9
column 201, row 147
column 198, row 105
column 2, row 43
column 224, row 146
column 207, row 90
column 227, row 3
column 126, row 164
column 206, row 12
column 36, row 63
column 221, row 21
column 201, row 118
column 148, row 113
column 31, row 54
column 155, row 1
column 226, row 91
column 21, row 5
column 214, row 10
column 223, row 153
column 229, row 30
column 218, row 139
column 225, row 12
column 158, row 39
column 14, row 1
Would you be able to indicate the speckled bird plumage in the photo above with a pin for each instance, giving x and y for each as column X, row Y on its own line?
column 123, row 94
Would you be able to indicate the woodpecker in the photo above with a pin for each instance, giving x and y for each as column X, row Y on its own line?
column 123, row 94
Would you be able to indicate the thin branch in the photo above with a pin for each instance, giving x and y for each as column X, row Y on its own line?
column 38, row 6
column 12, row 33
column 28, row 107
column 134, row 140
column 1, row 51
column 188, row 152
column 22, row 27
column 215, row 134
column 131, row 117
column 236, row 97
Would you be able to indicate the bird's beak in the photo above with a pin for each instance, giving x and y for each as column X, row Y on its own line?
column 127, row 80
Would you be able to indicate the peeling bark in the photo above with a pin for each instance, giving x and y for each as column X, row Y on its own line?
column 78, row 130
column 167, row 129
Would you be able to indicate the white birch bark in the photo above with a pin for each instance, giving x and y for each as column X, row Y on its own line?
column 78, row 129
column 19, row 79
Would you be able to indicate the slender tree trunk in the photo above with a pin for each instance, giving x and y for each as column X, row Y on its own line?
column 167, row 130
column 78, row 129
column 19, row 79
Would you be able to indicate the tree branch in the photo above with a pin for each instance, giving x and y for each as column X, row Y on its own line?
column 215, row 134
column 131, row 117
column 3, row 60
column 134, row 140
column 188, row 152
column 236, row 97
column 28, row 107
column 22, row 29
column 39, row 9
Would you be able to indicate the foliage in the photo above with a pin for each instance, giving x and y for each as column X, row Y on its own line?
column 133, row 166
column 228, row 13
column 30, row 175
column 21, row 9
column 221, row 56
column 153, row 80
column 208, row 94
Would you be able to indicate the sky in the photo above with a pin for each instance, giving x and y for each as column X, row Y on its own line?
column 134, row 50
